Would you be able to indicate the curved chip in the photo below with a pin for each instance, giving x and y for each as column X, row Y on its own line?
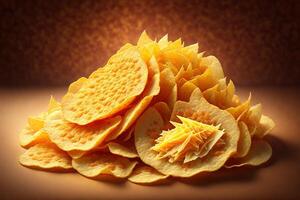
column 266, row 124
column 259, row 153
column 34, row 133
column 69, row 136
column 244, row 143
column 122, row 150
column 163, row 110
column 108, row 90
column 143, row 174
column 97, row 164
column 168, row 88
column 149, row 126
column 152, row 89
column 46, row 156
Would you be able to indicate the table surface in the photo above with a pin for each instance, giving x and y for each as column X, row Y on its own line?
column 280, row 178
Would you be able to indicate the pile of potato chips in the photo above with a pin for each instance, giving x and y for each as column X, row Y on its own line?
column 155, row 110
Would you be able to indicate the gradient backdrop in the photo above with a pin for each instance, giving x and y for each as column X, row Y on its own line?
column 55, row 42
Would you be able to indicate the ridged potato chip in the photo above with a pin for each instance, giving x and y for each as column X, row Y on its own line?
column 69, row 136
column 46, row 156
column 143, row 174
column 97, row 164
column 108, row 90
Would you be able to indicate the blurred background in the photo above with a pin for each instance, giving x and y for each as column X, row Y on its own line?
column 49, row 43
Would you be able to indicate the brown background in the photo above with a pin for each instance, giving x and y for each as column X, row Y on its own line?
column 55, row 42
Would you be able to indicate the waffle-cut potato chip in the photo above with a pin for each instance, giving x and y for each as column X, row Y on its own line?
column 244, row 143
column 168, row 88
column 46, row 156
column 152, row 89
column 108, row 90
column 149, row 126
column 69, row 136
column 34, row 133
column 260, row 152
column 96, row 164
column 185, row 91
column 122, row 150
column 163, row 110
column 266, row 124
column 143, row 174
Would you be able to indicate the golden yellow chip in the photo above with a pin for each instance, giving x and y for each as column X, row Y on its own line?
column 152, row 89
column 148, row 129
column 163, row 110
column 108, row 90
column 46, row 156
column 244, row 143
column 96, row 164
column 69, row 136
column 185, row 91
column 34, row 133
column 143, row 174
column 168, row 88
column 266, row 124
column 122, row 150
column 260, row 152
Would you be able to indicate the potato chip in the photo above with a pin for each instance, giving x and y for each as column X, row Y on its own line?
column 244, row 142
column 69, row 136
column 214, row 65
column 238, row 111
column 152, row 89
column 163, row 110
column 122, row 150
column 143, row 174
column 259, row 153
column 149, row 126
column 185, row 91
column 96, row 164
column 266, row 124
column 108, row 90
column 46, row 156
column 168, row 88
column 34, row 133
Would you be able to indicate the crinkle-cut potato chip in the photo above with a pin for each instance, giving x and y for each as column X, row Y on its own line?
column 96, row 164
column 168, row 88
column 34, row 133
column 69, row 136
column 122, row 150
column 244, row 142
column 46, row 156
column 152, row 89
column 148, row 129
column 259, row 153
column 108, row 90
column 266, row 124
column 163, row 110
column 143, row 174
